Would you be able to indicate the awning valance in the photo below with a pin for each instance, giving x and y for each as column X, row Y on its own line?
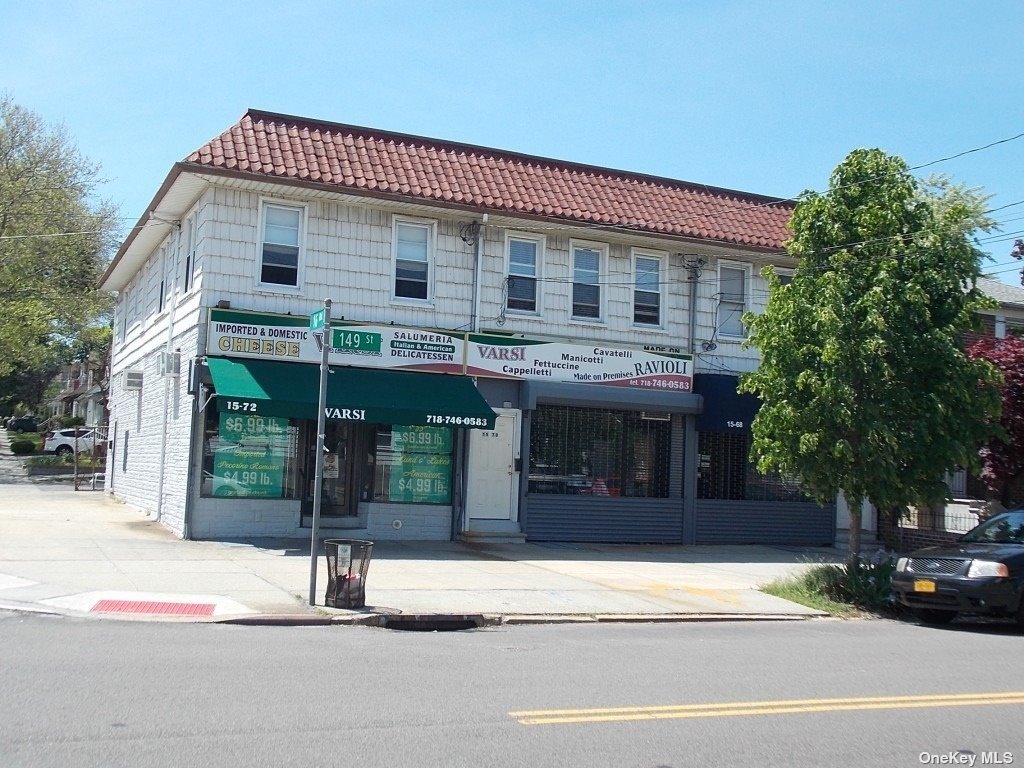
column 620, row 398
column 725, row 409
column 270, row 388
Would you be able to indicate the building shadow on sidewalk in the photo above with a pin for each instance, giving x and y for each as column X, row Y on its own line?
column 559, row 551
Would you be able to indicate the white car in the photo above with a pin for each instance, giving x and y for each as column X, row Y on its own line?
column 62, row 441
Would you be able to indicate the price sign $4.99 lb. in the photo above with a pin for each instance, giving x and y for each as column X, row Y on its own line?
column 249, row 457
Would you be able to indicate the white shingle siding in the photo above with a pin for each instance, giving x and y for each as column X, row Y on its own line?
column 140, row 414
column 347, row 256
column 729, row 353
column 421, row 522
column 555, row 296
column 225, row 518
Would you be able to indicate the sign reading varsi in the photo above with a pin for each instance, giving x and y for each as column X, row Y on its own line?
column 594, row 364
column 276, row 337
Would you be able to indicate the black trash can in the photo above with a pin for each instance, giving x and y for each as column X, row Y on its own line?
column 348, row 560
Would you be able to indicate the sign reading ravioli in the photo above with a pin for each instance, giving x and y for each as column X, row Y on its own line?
column 421, row 471
column 250, row 456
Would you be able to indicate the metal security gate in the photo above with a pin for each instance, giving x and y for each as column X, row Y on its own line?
column 764, row 522
column 607, row 520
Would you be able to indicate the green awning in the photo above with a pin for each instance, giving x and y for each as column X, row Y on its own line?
column 269, row 388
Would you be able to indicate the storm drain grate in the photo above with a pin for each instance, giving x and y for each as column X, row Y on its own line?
column 153, row 608
column 431, row 623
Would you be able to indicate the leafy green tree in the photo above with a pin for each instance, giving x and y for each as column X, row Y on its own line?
column 24, row 390
column 863, row 377
column 54, row 240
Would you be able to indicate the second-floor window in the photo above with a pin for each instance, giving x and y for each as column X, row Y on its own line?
column 191, row 238
column 586, row 285
column 279, row 264
column 162, row 266
column 522, row 273
column 647, row 290
column 732, row 299
column 412, row 260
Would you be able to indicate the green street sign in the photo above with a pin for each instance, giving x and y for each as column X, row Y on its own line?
column 316, row 320
column 357, row 341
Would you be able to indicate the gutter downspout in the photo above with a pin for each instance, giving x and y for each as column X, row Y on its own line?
column 691, row 326
column 474, row 322
column 460, row 522
column 167, row 395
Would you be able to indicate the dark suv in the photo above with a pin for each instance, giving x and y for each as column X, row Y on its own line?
column 21, row 424
column 982, row 573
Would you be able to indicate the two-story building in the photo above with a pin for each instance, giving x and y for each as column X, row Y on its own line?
column 520, row 347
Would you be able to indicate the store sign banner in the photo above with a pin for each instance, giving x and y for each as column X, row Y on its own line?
column 512, row 358
column 272, row 337
column 286, row 338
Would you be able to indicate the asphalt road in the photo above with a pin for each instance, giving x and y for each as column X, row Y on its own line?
column 870, row 693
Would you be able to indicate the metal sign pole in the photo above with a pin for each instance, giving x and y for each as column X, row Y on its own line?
column 321, row 413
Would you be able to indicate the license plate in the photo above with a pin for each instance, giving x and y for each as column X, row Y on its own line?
column 923, row 585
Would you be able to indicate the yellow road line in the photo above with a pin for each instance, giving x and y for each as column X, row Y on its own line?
column 747, row 708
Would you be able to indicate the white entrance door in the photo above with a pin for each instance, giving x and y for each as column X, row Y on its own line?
column 493, row 483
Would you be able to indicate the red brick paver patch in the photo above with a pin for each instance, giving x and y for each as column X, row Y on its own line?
column 153, row 607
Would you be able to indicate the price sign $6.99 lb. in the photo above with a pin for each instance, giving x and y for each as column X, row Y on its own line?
column 250, row 456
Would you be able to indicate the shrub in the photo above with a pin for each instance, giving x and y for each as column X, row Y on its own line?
column 838, row 588
column 21, row 447
column 85, row 462
column 868, row 583
column 71, row 421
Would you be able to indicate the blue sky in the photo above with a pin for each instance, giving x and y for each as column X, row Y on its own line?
column 765, row 97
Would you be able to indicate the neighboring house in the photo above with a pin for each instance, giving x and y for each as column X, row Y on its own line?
column 82, row 392
column 941, row 524
column 522, row 347
column 1008, row 318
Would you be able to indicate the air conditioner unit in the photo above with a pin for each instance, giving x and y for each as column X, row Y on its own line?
column 655, row 416
column 132, row 380
column 170, row 364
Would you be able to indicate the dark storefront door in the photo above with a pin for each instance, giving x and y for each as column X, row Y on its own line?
column 337, row 500
column 337, row 489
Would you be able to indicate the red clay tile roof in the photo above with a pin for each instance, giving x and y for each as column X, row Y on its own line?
column 384, row 164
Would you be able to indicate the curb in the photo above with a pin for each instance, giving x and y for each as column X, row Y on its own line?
column 429, row 621
column 654, row 618
column 16, row 607
column 276, row 620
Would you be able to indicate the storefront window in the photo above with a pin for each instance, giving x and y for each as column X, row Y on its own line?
column 595, row 452
column 411, row 464
column 724, row 471
column 250, row 456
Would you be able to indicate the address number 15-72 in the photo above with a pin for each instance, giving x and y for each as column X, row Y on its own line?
column 239, row 405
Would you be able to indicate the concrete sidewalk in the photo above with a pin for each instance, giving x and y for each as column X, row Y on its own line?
column 85, row 553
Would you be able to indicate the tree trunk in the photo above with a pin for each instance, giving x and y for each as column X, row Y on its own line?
column 853, row 542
